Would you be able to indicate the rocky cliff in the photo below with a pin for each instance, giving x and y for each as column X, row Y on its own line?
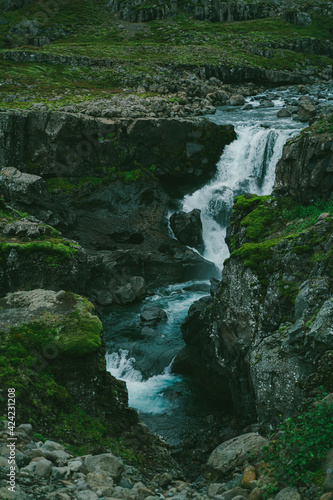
column 96, row 180
column 305, row 170
column 55, row 144
column 270, row 320
column 219, row 10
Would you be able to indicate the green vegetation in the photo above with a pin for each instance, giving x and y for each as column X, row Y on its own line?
column 70, row 185
column 296, row 451
column 267, row 218
column 86, row 28
column 269, row 221
column 29, row 355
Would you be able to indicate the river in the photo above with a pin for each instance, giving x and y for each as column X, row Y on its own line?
column 171, row 405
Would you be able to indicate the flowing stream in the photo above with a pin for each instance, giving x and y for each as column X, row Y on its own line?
column 172, row 405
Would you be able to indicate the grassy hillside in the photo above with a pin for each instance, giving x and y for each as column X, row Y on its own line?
column 86, row 28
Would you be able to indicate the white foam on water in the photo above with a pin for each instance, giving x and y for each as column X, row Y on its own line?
column 246, row 165
column 145, row 396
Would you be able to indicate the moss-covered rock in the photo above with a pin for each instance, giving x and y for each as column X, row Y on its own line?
column 267, row 326
column 34, row 255
column 51, row 352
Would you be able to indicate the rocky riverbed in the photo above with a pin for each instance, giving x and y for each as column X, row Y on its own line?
column 62, row 229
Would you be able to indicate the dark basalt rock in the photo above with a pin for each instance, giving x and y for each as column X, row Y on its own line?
column 266, row 327
column 187, row 228
column 67, row 145
column 306, row 167
column 153, row 315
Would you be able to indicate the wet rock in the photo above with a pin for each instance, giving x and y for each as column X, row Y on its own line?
column 267, row 104
column 124, row 294
column 187, row 227
column 153, row 315
column 283, row 113
column 148, row 331
column 236, row 100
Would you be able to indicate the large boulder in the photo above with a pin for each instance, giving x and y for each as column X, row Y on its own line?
column 235, row 452
column 105, row 463
column 236, row 100
column 21, row 187
column 58, row 331
column 187, row 228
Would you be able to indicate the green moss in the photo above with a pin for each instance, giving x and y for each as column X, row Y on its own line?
column 245, row 204
column 58, row 247
column 255, row 255
column 258, row 220
column 288, row 290
column 80, row 334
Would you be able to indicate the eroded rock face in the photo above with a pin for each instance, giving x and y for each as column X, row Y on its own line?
column 79, row 338
column 187, row 228
column 65, row 145
column 306, row 167
column 220, row 10
column 268, row 324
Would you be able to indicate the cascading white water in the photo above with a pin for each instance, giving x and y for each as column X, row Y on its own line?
column 144, row 395
column 246, row 165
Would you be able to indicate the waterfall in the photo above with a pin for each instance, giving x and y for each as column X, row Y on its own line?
column 144, row 395
column 246, row 165
column 171, row 405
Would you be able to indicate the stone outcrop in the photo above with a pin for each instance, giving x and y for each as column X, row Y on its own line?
column 217, row 11
column 187, row 228
column 66, row 145
column 268, row 324
column 106, row 185
column 19, row 187
column 306, row 167
column 34, row 255
column 69, row 348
